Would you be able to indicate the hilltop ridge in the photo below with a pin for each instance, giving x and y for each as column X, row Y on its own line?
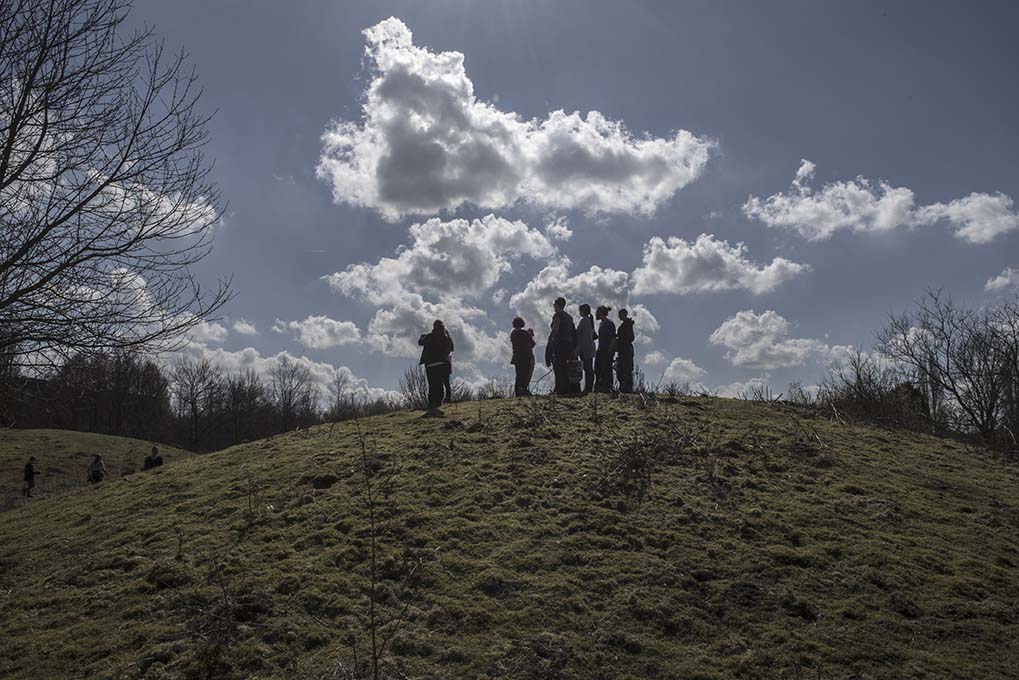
column 537, row 538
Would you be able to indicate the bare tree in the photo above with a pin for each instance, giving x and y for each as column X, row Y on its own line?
column 341, row 396
column 105, row 196
column 960, row 356
column 245, row 396
column 293, row 392
column 195, row 381
column 414, row 387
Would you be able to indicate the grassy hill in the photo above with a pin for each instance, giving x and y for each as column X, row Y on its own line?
column 580, row 538
column 63, row 456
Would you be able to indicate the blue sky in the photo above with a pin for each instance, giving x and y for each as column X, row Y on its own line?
column 916, row 98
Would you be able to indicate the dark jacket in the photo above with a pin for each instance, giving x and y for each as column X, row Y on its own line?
column 436, row 348
column 564, row 340
column 625, row 337
column 29, row 472
column 523, row 346
column 606, row 336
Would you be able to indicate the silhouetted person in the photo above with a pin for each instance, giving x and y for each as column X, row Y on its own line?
column 436, row 347
column 585, row 346
column 562, row 341
column 523, row 343
column 446, row 386
column 96, row 471
column 624, row 353
column 30, row 473
column 153, row 460
column 606, row 348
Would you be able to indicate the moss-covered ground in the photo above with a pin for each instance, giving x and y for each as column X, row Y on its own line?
column 62, row 457
column 583, row 538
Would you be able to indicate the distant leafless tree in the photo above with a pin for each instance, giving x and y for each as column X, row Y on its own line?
column 105, row 196
column 963, row 357
column 194, row 382
column 245, row 399
column 414, row 387
column 293, row 392
column 341, row 397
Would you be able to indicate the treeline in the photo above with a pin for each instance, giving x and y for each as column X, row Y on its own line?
column 939, row 367
column 194, row 404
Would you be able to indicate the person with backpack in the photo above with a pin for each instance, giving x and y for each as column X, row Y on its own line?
column 585, row 346
column 562, row 343
column 624, row 352
column 96, row 471
column 606, row 347
column 30, row 473
column 522, row 342
column 436, row 348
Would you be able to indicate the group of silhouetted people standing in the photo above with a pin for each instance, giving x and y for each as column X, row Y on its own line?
column 574, row 356
column 576, row 352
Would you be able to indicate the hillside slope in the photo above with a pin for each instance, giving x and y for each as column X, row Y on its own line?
column 515, row 544
column 63, row 456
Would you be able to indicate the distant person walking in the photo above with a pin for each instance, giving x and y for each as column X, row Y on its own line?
column 585, row 346
column 96, row 471
column 562, row 343
column 30, row 473
column 606, row 348
column 153, row 460
column 624, row 352
column 522, row 342
column 436, row 348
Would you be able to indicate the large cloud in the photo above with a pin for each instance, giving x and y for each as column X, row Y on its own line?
column 707, row 264
column 864, row 205
column 454, row 261
column 454, row 258
column 320, row 332
column 762, row 341
column 426, row 144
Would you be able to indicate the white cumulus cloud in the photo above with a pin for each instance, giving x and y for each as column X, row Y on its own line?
column 867, row 206
column 207, row 331
column 654, row 358
column 244, row 327
column 323, row 374
column 1008, row 278
column 683, row 371
column 452, row 258
column 426, row 144
column 762, row 341
column 707, row 264
column 320, row 332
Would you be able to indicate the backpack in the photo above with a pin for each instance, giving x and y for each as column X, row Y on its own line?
column 574, row 371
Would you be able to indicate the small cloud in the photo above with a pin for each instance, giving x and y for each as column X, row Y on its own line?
column 319, row 332
column 244, row 327
column 206, row 332
column 1008, row 278
column 654, row 358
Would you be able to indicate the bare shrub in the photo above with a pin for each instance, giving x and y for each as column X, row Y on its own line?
column 868, row 389
column 413, row 386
